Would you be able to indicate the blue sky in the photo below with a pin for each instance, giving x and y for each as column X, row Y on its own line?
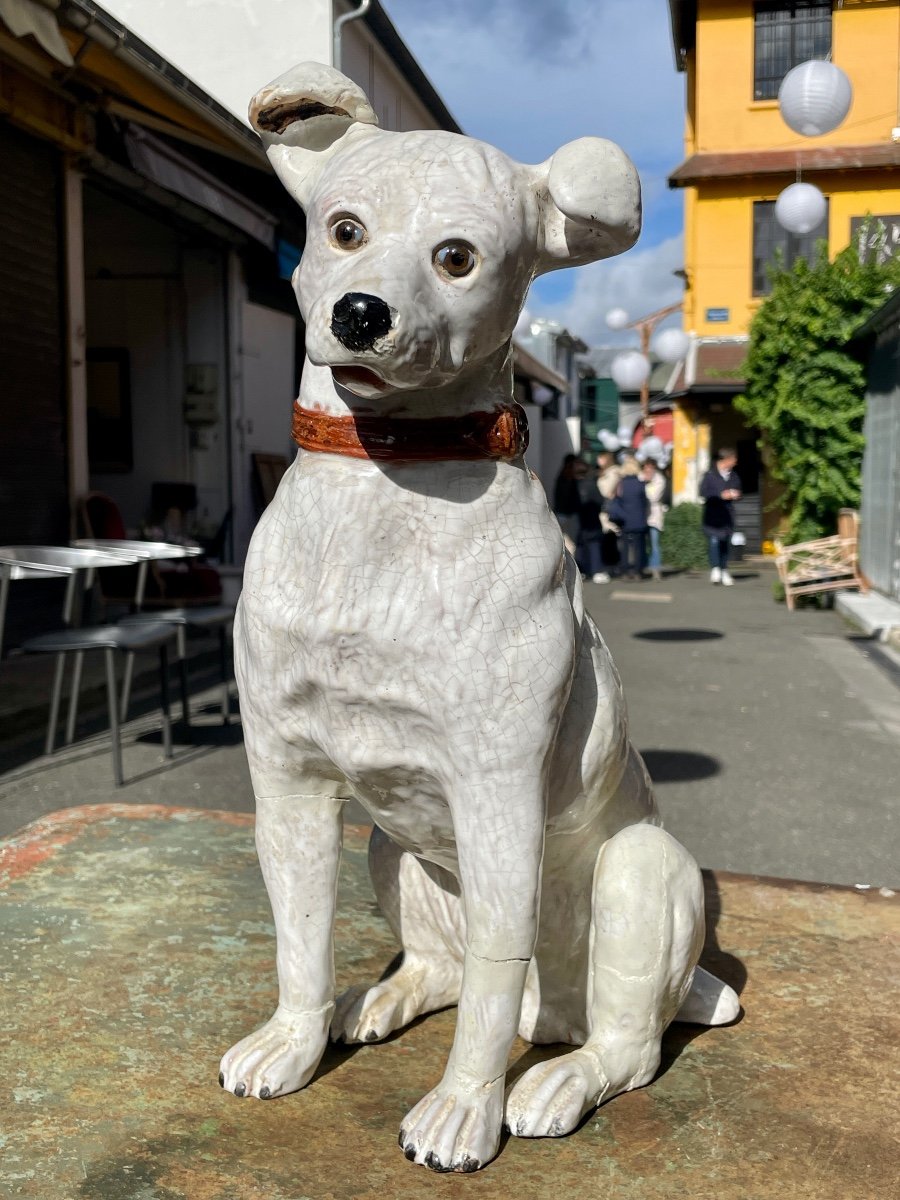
column 530, row 75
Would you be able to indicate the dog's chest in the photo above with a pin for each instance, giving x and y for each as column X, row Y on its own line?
column 365, row 587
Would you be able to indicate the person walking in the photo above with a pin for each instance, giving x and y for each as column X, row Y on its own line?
column 629, row 511
column 609, row 475
column 590, row 542
column 719, row 489
column 655, row 487
column 567, row 499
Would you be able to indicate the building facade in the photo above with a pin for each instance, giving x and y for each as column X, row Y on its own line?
column 149, row 333
column 740, row 154
column 879, row 543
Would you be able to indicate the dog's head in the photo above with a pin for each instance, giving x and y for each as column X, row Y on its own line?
column 420, row 247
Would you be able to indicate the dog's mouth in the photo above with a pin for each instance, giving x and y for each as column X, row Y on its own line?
column 356, row 377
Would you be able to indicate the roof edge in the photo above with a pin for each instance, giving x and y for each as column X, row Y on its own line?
column 94, row 22
column 713, row 166
column 880, row 320
column 683, row 23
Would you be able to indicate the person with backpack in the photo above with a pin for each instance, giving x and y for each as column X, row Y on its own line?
column 629, row 510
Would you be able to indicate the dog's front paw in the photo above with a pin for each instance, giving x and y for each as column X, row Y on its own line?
column 280, row 1057
column 454, row 1129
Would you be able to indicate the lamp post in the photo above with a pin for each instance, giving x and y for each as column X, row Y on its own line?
column 645, row 327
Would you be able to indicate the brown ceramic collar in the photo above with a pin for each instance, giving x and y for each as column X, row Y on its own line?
column 501, row 434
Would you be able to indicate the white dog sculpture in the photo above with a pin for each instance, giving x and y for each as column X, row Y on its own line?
column 411, row 633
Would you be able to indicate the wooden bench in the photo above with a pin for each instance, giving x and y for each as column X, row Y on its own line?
column 825, row 565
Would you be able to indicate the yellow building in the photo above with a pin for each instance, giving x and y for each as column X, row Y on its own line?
column 739, row 155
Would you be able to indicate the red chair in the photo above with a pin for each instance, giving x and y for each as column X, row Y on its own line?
column 190, row 583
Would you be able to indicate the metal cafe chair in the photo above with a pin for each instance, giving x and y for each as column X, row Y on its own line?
column 79, row 566
column 212, row 617
column 203, row 617
column 112, row 639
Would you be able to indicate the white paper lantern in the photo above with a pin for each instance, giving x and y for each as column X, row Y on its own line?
column 617, row 318
column 672, row 345
column 652, row 447
column 630, row 370
column 625, row 435
column 800, row 208
column 815, row 97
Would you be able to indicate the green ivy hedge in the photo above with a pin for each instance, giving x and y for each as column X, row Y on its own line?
column 684, row 544
column 806, row 382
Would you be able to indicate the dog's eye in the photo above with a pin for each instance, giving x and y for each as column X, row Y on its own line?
column 455, row 259
column 348, row 234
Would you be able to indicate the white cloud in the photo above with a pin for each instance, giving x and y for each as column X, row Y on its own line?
column 640, row 281
column 529, row 75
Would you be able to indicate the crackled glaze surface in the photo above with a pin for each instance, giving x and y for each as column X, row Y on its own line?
column 412, row 634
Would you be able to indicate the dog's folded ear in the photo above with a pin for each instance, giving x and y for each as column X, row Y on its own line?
column 590, row 197
column 301, row 116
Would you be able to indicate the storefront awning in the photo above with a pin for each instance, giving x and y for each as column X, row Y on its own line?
column 157, row 161
column 713, row 366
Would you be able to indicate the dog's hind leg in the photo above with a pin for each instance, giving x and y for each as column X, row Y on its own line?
column 422, row 904
column 646, row 937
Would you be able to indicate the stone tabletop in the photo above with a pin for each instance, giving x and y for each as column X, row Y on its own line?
column 138, row 945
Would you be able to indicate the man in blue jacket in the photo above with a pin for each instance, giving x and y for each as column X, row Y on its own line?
column 719, row 489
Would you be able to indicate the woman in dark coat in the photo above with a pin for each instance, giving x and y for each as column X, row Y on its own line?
column 631, row 509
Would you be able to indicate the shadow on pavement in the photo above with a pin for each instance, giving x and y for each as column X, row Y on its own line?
column 197, row 735
column 679, row 766
column 677, row 635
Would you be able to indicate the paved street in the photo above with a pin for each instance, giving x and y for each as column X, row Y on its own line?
column 774, row 738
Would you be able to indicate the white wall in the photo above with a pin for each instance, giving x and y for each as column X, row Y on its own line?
column 396, row 104
column 204, row 308
column 231, row 48
column 556, row 443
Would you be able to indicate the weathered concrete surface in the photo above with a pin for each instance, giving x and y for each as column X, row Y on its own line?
column 139, row 945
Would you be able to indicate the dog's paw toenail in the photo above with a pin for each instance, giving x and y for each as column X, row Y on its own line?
column 265, row 1093
column 433, row 1163
column 468, row 1165
column 371, row 1036
column 221, row 1079
column 409, row 1152
column 401, row 1139
column 240, row 1090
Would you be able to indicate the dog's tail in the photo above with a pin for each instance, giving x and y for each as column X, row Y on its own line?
column 709, row 1001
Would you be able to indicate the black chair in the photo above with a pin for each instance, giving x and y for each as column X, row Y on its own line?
column 112, row 640
column 205, row 620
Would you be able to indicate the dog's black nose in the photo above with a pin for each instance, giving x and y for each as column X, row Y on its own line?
column 358, row 320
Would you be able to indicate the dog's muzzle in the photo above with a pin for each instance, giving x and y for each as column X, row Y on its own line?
column 358, row 320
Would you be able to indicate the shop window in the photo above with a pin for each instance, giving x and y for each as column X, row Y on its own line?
column 785, row 35
column 771, row 241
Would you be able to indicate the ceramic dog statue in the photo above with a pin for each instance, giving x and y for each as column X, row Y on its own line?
column 411, row 633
